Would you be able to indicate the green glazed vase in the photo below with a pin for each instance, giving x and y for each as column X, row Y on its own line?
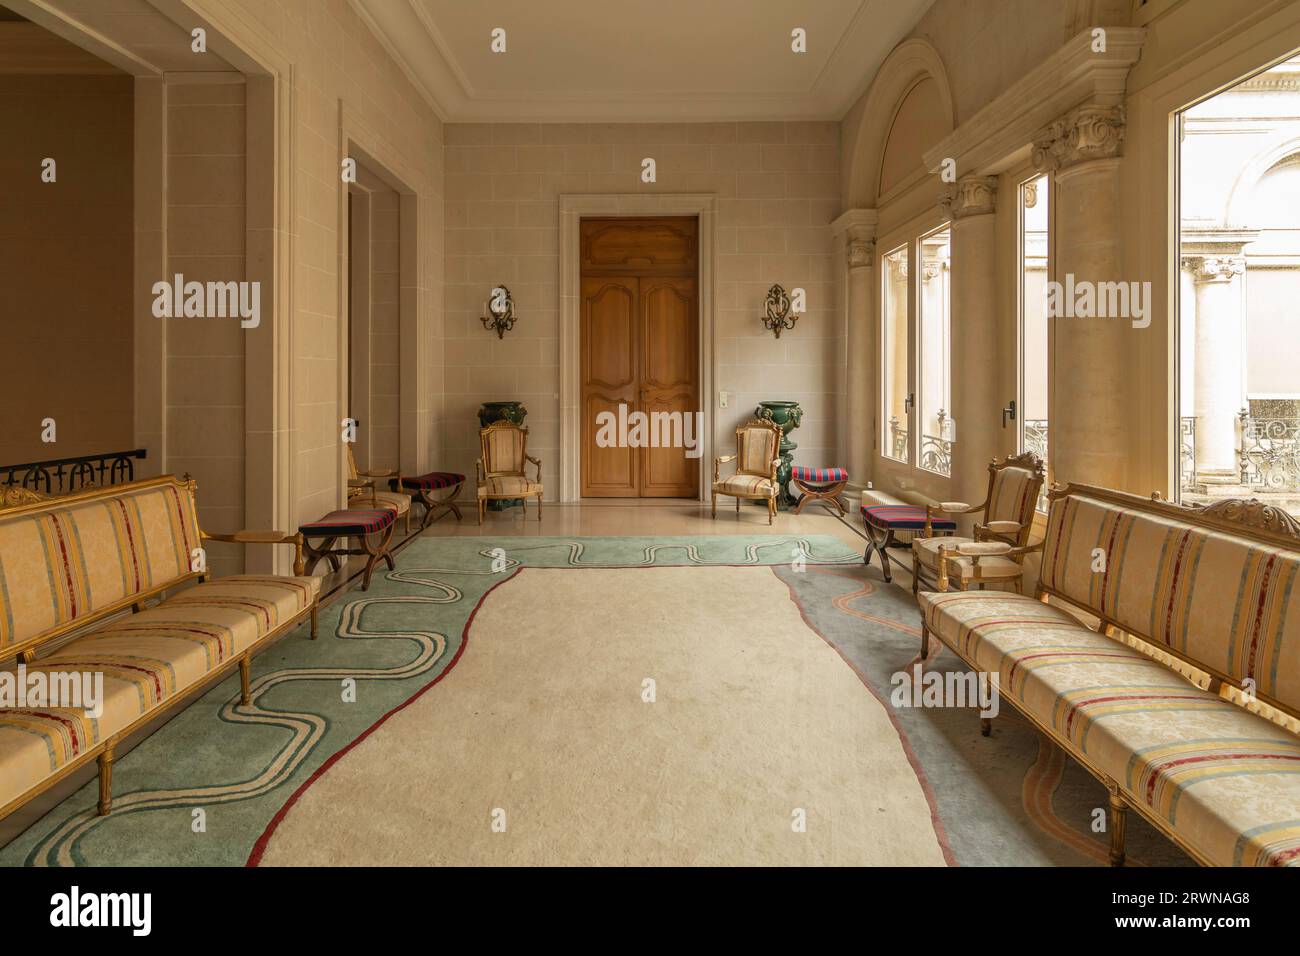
column 788, row 415
column 513, row 412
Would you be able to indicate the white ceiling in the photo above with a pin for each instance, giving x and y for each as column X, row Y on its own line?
column 631, row 60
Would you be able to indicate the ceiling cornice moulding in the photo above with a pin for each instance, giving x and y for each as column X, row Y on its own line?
column 1072, row 76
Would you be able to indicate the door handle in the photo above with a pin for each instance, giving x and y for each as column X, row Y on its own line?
column 910, row 402
column 1009, row 413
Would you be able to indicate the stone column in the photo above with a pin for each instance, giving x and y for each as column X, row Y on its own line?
column 1218, row 390
column 856, row 229
column 1090, row 433
column 976, row 403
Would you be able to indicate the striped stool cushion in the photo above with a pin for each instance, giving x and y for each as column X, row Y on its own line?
column 356, row 521
column 434, row 479
column 818, row 476
column 903, row 518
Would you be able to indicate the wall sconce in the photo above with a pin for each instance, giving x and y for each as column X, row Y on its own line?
column 777, row 316
column 501, row 308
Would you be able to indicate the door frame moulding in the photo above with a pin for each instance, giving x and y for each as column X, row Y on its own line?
column 360, row 141
column 573, row 207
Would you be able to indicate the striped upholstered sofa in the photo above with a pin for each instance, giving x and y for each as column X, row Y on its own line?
column 76, row 574
column 1184, row 700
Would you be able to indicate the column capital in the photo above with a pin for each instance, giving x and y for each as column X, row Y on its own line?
column 1085, row 133
column 857, row 228
column 970, row 196
column 1214, row 268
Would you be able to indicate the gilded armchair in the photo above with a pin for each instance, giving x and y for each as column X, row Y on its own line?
column 758, row 453
column 996, row 552
column 501, row 469
column 362, row 492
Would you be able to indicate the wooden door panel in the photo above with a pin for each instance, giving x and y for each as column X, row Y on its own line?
column 669, row 363
column 643, row 246
column 609, row 378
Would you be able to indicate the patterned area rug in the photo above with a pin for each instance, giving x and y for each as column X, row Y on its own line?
column 222, row 784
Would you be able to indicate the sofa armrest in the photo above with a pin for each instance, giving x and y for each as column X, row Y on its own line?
column 263, row 537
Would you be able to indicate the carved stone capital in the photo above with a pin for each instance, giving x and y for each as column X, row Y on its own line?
column 1085, row 133
column 861, row 252
column 1214, row 268
column 971, row 196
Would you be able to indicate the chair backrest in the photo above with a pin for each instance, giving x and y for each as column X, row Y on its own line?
column 352, row 462
column 758, row 446
column 1014, row 484
column 68, row 561
column 1217, row 586
column 505, row 446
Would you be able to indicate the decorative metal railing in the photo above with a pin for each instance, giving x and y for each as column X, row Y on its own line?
column 936, row 452
column 1268, row 452
column 60, row 476
column 1187, row 453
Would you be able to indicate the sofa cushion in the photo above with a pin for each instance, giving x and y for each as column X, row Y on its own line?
column 818, row 476
column 433, row 480
column 1227, row 779
column 1227, row 601
column 349, row 523
column 64, row 563
column 991, row 565
column 505, row 485
column 745, row 485
column 146, row 658
column 903, row 518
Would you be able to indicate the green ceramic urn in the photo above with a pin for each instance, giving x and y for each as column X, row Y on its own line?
column 788, row 415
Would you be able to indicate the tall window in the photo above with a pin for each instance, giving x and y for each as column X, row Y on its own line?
column 895, row 351
column 1238, row 428
column 1032, row 400
column 934, row 350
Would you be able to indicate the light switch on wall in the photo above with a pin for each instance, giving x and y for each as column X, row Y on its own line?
column 722, row 398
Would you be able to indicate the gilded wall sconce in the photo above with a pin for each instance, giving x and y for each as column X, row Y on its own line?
column 777, row 316
column 500, row 309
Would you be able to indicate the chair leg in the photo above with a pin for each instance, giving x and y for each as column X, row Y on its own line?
column 539, row 507
column 244, row 696
column 715, row 504
column 771, row 509
column 925, row 639
column 106, row 782
column 1118, row 817
column 737, row 506
column 313, row 621
column 916, row 575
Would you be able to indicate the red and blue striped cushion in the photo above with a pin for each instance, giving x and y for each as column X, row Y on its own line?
column 903, row 518
column 434, row 479
column 818, row 476
column 348, row 523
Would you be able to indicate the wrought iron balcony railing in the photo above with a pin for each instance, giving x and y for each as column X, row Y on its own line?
column 1268, row 452
column 60, row 476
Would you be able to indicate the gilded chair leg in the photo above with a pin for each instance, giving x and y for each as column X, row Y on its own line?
column 737, row 506
column 244, row 696
column 925, row 639
column 771, row 509
column 986, row 726
column 106, row 782
column 1118, row 817
column 916, row 574
column 539, row 507
column 313, row 621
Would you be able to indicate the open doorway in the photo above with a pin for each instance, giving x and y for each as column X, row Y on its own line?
column 374, row 328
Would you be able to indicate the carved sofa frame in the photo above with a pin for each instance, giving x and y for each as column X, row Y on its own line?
column 1262, row 540
column 22, row 503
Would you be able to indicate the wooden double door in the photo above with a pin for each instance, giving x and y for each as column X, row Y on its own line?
column 640, row 353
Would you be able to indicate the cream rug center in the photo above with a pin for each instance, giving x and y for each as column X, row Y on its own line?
column 644, row 716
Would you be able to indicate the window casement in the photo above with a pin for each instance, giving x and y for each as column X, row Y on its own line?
column 1029, row 412
column 916, row 353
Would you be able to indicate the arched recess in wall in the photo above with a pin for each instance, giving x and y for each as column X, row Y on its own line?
column 907, row 109
column 1243, row 203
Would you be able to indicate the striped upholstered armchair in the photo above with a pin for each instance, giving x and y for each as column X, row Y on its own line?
column 501, row 469
column 1001, row 534
column 758, row 453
